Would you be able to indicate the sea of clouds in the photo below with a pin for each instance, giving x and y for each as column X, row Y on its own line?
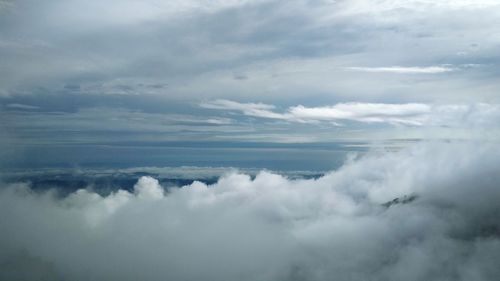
column 344, row 225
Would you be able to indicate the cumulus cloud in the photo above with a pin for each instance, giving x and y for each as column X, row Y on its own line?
column 414, row 114
column 148, row 188
column 270, row 227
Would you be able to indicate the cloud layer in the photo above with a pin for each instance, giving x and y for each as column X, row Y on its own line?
column 84, row 71
column 272, row 49
column 270, row 227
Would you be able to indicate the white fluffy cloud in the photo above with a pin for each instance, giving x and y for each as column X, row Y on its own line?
column 270, row 227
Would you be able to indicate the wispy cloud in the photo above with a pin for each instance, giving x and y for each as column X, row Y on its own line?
column 412, row 114
column 21, row 106
column 250, row 109
column 404, row 69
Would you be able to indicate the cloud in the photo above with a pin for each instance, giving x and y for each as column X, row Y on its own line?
column 404, row 70
column 364, row 112
column 412, row 114
column 148, row 188
column 250, row 109
column 284, row 50
column 391, row 8
column 270, row 227
column 21, row 106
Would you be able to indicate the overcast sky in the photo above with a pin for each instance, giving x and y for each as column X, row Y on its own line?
column 280, row 71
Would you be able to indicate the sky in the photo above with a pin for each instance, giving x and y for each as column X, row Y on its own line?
column 82, row 73
column 253, row 140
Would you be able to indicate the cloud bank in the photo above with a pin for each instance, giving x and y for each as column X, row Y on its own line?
column 445, row 226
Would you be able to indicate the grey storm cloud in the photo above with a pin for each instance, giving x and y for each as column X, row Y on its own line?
column 429, row 212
